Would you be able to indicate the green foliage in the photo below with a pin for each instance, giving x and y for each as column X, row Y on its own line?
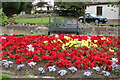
column 28, row 8
column 14, row 16
column 115, row 3
column 4, row 76
column 10, row 8
column 3, row 18
column 75, row 9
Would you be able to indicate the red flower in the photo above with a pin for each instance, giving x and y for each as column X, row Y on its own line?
column 118, row 53
column 4, row 58
column 11, row 56
column 60, row 65
column 47, row 64
column 78, row 66
column 65, row 62
column 108, row 62
column 35, row 58
column 111, row 53
column 85, row 67
column 70, row 65
column 30, row 60
column 51, row 61
column 77, row 61
column 92, row 64
column 109, row 67
column 4, row 53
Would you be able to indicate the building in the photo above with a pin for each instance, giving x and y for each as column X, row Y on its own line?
column 112, row 13
column 43, row 4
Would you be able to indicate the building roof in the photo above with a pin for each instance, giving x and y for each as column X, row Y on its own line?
column 100, row 3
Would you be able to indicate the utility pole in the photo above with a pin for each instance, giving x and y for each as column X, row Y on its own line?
column 84, row 17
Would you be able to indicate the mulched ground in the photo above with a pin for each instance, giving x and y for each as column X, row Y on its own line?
column 34, row 72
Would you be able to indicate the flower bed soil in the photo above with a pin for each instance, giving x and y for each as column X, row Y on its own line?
column 35, row 72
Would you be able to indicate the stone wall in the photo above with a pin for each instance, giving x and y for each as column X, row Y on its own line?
column 99, row 30
column 85, row 29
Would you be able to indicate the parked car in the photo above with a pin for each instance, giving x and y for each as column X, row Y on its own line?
column 92, row 18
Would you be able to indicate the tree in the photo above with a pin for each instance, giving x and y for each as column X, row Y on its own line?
column 10, row 8
column 75, row 9
column 115, row 3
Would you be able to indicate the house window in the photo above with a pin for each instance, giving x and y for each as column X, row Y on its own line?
column 99, row 10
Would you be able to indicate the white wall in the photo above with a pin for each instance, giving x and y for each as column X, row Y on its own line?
column 106, row 11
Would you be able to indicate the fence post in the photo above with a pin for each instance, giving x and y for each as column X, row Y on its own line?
column 49, row 26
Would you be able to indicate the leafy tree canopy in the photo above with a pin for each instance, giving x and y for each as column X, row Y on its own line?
column 72, row 8
column 10, row 8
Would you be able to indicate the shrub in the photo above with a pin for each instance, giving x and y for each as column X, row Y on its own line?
column 3, row 18
column 44, row 11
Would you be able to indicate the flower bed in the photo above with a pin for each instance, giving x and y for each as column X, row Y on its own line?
column 62, row 54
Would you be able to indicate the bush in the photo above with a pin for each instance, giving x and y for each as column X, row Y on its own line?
column 44, row 11
column 73, row 13
column 3, row 18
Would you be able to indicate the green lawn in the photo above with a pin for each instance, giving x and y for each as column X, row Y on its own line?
column 46, row 20
column 3, row 76
column 40, row 20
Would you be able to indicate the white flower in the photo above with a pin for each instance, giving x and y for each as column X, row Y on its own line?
column 73, row 69
column 32, row 63
column 89, row 37
column 10, row 62
column 96, row 68
column 115, row 66
column 30, row 48
column 114, row 60
column 3, row 37
column 41, row 70
column 51, row 68
column 87, row 73
column 62, row 72
column 20, row 66
column 57, row 36
column 4, row 61
column 7, row 63
column 105, row 73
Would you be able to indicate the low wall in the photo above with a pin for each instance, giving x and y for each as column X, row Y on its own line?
column 114, row 20
column 99, row 30
column 84, row 29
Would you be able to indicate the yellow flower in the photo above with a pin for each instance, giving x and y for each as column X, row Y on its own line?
column 74, row 42
column 88, row 40
column 71, row 45
column 67, row 43
column 76, row 45
column 103, row 38
column 83, row 41
column 59, row 40
column 75, row 39
column 95, row 45
column 111, row 50
column 63, row 47
column 95, row 41
column 54, row 41
column 66, row 37
column 79, row 42
column 45, row 42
